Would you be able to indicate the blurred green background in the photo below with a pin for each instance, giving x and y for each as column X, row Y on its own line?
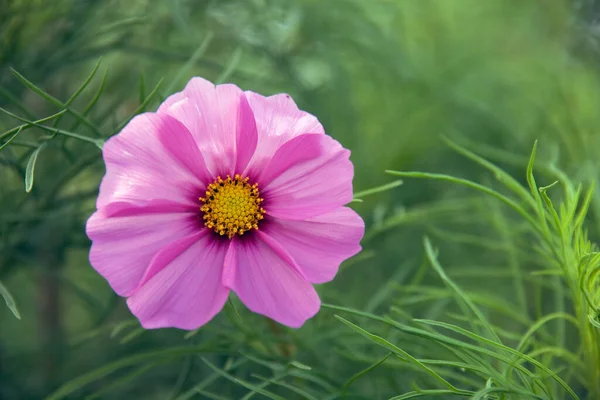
column 388, row 79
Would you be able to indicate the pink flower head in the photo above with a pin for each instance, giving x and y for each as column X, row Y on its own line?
column 223, row 190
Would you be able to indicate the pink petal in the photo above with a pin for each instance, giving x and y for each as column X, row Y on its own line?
column 169, row 101
column 307, row 176
column 123, row 245
column 268, row 284
column 320, row 244
column 246, row 137
column 183, row 147
column 221, row 122
column 185, row 291
column 278, row 120
column 152, row 158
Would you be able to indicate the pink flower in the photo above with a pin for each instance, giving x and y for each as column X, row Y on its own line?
column 223, row 190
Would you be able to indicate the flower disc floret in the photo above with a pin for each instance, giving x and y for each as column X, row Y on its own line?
column 231, row 206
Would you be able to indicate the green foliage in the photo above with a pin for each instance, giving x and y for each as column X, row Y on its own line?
column 478, row 278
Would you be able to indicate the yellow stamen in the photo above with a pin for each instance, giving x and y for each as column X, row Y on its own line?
column 232, row 206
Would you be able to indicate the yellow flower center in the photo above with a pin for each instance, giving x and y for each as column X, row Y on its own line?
column 232, row 206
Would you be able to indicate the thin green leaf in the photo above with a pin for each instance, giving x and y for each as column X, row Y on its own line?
column 101, row 372
column 118, row 328
column 29, row 171
column 292, row 388
column 534, row 189
column 432, row 335
column 231, row 66
column 275, row 366
column 210, row 379
column 499, row 173
column 580, row 218
column 97, row 142
column 379, row 297
column 94, row 99
column 53, row 100
column 12, row 138
column 482, row 394
column 79, row 90
column 396, row 350
column 484, row 340
column 463, row 299
column 27, row 125
column 10, row 301
column 378, row 189
column 122, row 381
column 140, row 108
column 299, row 365
column 432, row 393
column 240, row 382
column 210, row 395
column 364, row 371
column 183, row 71
column 473, row 185
column 16, row 102
column 132, row 335
column 142, row 87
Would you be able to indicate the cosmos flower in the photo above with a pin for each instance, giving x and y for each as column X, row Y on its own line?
column 222, row 190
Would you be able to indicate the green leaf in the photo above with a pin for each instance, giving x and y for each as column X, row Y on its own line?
column 55, row 101
column 462, row 298
column 93, row 101
column 231, row 66
column 510, row 350
column 274, row 381
column 398, row 351
column 483, row 394
column 197, row 55
column 97, row 142
column 431, row 393
column 140, row 108
column 140, row 371
column 142, row 87
column 299, row 365
column 198, row 388
column 241, row 382
column 79, row 90
column 11, row 138
column 29, row 171
column 10, row 301
column 101, row 372
column 514, row 205
column 365, row 371
column 29, row 124
column 510, row 182
column 378, row 189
